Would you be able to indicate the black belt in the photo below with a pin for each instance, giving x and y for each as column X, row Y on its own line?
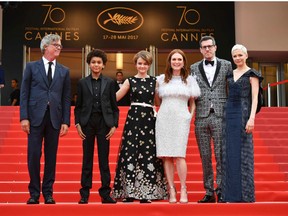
column 212, row 110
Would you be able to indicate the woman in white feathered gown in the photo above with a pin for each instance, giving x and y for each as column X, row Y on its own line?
column 176, row 92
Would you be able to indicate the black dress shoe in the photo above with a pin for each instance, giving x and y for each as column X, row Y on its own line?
column 32, row 200
column 126, row 200
column 219, row 198
column 207, row 199
column 145, row 201
column 83, row 200
column 49, row 200
column 108, row 200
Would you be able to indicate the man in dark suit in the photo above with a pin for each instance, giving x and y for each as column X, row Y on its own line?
column 15, row 94
column 2, row 79
column 96, row 115
column 210, row 74
column 125, row 101
column 45, row 114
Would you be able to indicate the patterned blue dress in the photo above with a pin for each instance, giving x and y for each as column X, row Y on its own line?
column 139, row 173
column 238, row 147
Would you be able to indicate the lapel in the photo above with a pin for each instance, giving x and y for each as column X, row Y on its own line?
column 57, row 74
column 103, row 84
column 41, row 68
column 217, row 71
column 202, row 72
column 89, row 83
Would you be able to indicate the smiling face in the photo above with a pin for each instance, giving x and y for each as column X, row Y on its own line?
column 142, row 66
column 177, row 62
column 239, row 57
column 96, row 65
column 52, row 51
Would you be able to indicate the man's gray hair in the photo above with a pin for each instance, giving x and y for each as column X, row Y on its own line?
column 47, row 40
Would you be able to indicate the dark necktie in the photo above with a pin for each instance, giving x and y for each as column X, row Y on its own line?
column 209, row 62
column 49, row 75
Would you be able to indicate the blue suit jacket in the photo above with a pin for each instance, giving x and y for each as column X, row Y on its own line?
column 36, row 93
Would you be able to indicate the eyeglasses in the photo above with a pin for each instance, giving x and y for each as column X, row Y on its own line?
column 58, row 46
column 208, row 46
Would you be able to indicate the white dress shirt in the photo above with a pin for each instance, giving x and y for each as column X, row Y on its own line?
column 210, row 71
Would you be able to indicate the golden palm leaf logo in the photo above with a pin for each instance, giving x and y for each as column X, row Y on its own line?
column 120, row 19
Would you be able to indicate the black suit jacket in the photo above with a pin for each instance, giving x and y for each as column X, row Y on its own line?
column 2, row 80
column 125, row 101
column 84, row 103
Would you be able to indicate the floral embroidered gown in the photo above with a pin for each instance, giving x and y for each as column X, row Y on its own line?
column 139, row 173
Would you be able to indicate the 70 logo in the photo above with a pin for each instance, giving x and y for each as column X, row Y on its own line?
column 190, row 16
column 54, row 14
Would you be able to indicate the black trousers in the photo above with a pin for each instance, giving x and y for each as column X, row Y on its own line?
column 35, row 138
column 96, row 128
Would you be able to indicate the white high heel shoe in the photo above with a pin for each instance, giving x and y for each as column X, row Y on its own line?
column 183, row 195
column 172, row 195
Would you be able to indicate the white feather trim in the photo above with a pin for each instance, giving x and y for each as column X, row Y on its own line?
column 177, row 88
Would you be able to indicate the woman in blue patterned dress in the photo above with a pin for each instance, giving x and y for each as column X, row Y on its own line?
column 238, row 148
column 139, row 173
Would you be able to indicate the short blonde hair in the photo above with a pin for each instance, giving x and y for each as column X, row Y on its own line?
column 239, row 47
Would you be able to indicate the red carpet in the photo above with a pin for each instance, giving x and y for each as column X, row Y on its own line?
column 271, row 173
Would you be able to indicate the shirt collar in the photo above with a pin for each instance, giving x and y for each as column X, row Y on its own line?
column 46, row 61
column 100, row 77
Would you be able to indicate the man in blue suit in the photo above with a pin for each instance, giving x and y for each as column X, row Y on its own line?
column 45, row 114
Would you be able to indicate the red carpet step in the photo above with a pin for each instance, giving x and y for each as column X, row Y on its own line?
column 154, row 209
column 271, row 173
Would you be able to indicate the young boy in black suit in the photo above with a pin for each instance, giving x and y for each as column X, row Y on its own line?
column 96, row 116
